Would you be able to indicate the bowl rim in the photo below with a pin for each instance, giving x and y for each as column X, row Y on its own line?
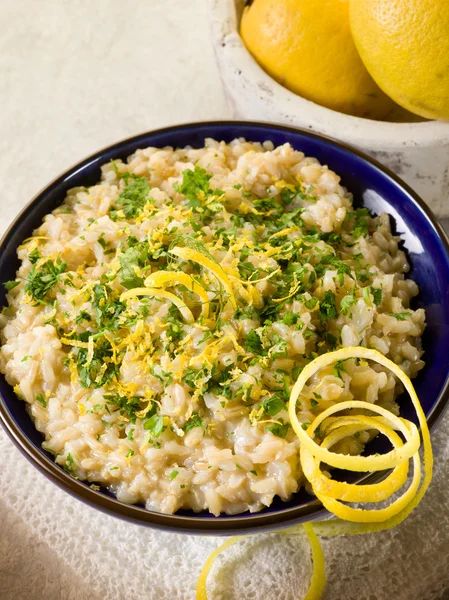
column 230, row 524
column 237, row 63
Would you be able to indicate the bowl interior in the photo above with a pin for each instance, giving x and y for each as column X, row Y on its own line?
column 371, row 186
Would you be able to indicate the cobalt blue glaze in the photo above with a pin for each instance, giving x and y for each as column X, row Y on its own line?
column 372, row 186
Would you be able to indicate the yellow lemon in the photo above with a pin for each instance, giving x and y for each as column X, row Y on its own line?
column 405, row 46
column 307, row 46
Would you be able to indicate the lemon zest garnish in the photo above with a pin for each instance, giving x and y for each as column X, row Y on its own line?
column 284, row 232
column 195, row 256
column 253, row 281
column 101, row 372
column 90, row 350
column 157, row 293
column 293, row 289
column 75, row 343
column 160, row 278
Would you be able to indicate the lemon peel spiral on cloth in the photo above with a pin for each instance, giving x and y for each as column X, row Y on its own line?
column 332, row 494
column 318, row 579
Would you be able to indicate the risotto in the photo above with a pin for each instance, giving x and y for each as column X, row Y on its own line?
column 160, row 318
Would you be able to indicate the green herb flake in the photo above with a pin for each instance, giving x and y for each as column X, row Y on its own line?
column 10, row 285
column 155, row 425
column 377, row 295
column 346, row 303
column 40, row 398
column 279, row 429
column 400, row 316
column 273, row 405
column 195, row 186
column 134, row 196
column 328, row 307
column 339, row 368
column 253, row 343
column 194, row 421
column 69, row 462
column 34, row 256
column 40, row 281
column 290, row 318
column 367, row 296
column 130, row 261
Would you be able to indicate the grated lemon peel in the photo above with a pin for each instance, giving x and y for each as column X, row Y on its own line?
column 187, row 253
column 161, row 278
column 352, row 521
column 158, row 293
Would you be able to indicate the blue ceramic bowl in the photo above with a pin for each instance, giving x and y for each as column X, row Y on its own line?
column 372, row 186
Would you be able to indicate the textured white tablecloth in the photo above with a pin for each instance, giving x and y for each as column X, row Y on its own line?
column 75, row 76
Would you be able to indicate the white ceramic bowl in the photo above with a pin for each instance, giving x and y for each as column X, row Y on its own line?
column 418, row 152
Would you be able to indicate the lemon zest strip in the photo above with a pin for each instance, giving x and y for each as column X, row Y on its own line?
column 195, row 256
column 157, row 293
column 161, row 278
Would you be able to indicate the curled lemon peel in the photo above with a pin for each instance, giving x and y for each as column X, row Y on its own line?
column 161, row 278
column 318, row 580
column 375, row 492
column 353, row 521
column 354, row 463
column 311, row 453
column 157, row 293
column 187, row 253
column 201, row 590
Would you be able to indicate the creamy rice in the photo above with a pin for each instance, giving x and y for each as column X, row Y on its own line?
column 177, row 398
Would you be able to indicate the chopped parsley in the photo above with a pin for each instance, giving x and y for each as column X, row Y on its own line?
column 99, row 371
column 274, row 404
column 130, row 263
column 10, row 285
column 346, row 303
column 377, row 295
column 69, row 462
column 195, row 186
column 359, row 219
column 339, row 368
column 400, row 316
column 328, row 307
column 194, row 421
column 253, row 343
column 34, row 256
column 134, row 196
column 155, row 425
column 40, row 281
column 279, row 429
column 40, row 398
